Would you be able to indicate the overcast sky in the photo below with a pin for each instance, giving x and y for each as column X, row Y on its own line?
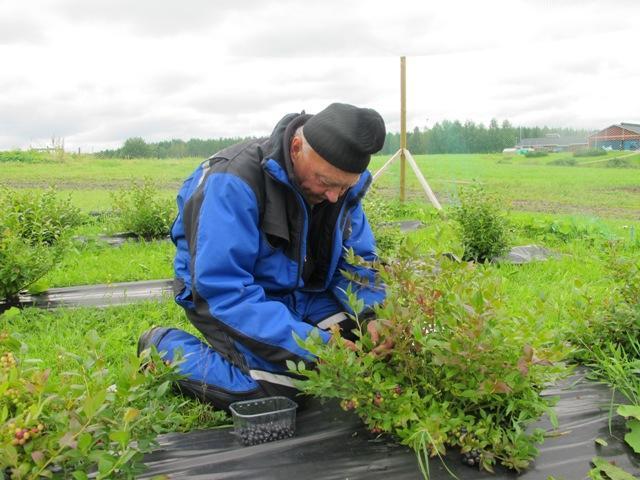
column 96, row 72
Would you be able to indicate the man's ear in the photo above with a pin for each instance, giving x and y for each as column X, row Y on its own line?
column 295, row 148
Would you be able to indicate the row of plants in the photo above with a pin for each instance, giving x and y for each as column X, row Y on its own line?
column 464, row 373
column 81, row 421
column 36, row 229
column 610, row 346
column 93, row 413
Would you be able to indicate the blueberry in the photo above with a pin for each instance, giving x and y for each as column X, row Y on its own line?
column 471, row 458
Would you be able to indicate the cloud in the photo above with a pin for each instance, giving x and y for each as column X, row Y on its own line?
column 173, row 82
column 16, row 31
column 156, row 18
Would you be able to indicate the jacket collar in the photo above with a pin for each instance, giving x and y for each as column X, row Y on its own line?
column 281, row 139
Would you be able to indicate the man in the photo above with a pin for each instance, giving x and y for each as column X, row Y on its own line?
column 261, row 235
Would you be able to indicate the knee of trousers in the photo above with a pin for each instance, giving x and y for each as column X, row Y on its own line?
column 210, row 377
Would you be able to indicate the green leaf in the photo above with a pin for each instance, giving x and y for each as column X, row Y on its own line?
column 78, row 475
column 629, row 411
column 553, row 418
column 120, row 436
column 105, row 463
column 633, row 437
column 613, row 472
column 602, row 442
column 162, row 389
column 92, row 404
column 84, row 441
column 9, row 456
column 291, row 366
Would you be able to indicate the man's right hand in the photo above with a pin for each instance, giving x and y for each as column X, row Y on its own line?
column 380, row 333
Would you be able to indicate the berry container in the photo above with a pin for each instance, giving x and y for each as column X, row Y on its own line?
column 264, row 420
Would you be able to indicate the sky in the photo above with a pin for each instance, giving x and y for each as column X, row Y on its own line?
column 93, row 73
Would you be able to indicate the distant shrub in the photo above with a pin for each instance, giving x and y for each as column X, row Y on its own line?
column 619, row 163
column 34, row 233
column 564, row 162
column 536, row 154
column 590, row 152
column 142, row 212
column 40, row 216
column 483, row 228
column 19, row 156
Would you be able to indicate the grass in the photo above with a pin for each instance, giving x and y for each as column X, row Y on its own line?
column 526, row 184
column 573, row 210
column 98, row 262
column 527, row 187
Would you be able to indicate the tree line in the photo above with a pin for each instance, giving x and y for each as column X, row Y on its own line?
column 444, row 137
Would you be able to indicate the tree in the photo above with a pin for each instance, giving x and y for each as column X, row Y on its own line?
column 136, row 147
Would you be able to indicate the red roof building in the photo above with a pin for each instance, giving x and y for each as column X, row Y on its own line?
column 623, row 136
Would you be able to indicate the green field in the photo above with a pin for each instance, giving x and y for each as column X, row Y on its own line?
column 526, row 184
column 588, row 214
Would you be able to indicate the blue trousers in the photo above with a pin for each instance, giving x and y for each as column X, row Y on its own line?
column 213, row 378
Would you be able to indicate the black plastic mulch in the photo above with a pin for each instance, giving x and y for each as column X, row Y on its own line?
column 333, row 444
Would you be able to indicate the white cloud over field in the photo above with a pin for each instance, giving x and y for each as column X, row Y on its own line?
column 97, row 72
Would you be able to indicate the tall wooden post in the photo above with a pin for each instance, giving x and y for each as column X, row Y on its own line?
column 403, row 153
column 403, row 125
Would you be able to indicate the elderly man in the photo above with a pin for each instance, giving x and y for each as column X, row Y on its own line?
column 261, row 236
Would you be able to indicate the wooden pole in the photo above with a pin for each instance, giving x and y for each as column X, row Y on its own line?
column 403, row 125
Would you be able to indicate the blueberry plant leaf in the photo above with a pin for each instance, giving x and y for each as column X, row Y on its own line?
column 611, row 471
column 633, row 437
column 629, row 411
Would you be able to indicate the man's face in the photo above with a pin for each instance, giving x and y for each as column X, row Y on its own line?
column 317, row 179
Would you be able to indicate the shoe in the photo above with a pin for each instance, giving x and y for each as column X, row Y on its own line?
column 153, row 336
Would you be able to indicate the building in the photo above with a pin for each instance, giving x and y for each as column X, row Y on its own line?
column 552, row 142
column 623, row 136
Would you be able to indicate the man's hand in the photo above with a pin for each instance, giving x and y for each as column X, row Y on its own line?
column 381, row 329
column 380, row 333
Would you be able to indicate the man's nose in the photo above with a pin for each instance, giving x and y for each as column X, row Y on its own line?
column 332, row 195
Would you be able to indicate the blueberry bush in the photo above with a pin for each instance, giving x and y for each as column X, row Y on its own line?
column 35, row 229
column 82, row 422
column 462, row 373
column 483, row 227
column 141, row 211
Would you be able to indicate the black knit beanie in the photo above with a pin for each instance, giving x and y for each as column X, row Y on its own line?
column 346, row 136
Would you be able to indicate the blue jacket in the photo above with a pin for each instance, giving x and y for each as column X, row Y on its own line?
column 243, row 242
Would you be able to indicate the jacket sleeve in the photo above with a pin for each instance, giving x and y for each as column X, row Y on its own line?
column 224, row 249
column 361, row 240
